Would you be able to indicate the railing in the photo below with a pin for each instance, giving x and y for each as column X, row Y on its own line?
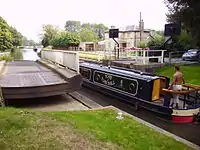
column 144, row 56
column 69, row 59
column 175, row 56
column 140, row 56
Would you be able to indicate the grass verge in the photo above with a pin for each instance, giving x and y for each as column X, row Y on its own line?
column 22, row 129
column 191, row 73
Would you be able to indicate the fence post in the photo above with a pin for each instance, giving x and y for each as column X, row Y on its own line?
column 170, row 57
column 162, row 57
column 144, row 57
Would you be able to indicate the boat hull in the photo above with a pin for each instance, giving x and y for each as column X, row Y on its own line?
column 161, row 110
column 137, row 88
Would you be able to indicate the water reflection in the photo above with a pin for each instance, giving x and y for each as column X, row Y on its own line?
column 17, row 54
column 29, row 54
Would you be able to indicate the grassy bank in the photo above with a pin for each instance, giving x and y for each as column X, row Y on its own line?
column 191, row 73
column 91, row 56
column 16, row 55
column 22, row 129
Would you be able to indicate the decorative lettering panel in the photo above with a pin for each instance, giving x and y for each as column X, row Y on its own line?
column 116, row 82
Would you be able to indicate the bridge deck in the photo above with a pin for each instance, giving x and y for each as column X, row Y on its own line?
column 28, row 74
column 29, row 79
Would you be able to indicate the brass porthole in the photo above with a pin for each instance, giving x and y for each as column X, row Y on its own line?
column 131, row 86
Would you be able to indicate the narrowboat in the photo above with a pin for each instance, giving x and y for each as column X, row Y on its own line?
column 142, row 89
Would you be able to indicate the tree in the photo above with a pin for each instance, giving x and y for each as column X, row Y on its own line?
column 49, row 33
column 16, row 37
column 27, row 42
column 141, row 45
column 188, row 13
column 99, row 29
column 76, row 26
column 65, row 39
column 5, row 35
column 72, row 26
column 87, row 35
column 157, row 40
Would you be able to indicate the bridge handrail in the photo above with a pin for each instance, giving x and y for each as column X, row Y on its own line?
column 69, row 59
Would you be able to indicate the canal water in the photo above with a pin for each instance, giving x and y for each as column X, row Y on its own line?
column 29, row 54
column 25, row 54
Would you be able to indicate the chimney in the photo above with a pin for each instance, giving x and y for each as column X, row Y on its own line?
column 141, row 26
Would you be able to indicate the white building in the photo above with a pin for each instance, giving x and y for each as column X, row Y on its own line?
column 129, row 37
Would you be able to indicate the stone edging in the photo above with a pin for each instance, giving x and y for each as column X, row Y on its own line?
column 2, row 66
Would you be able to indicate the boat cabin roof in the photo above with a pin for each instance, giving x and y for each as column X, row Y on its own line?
column 117, row 71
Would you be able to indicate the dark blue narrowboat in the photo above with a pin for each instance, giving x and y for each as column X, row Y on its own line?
column 141, row 89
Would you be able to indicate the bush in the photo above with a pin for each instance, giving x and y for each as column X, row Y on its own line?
column 6, row 57
column 65, row 39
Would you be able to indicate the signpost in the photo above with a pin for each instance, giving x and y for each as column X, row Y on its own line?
column 114, row 33
column 170, row 31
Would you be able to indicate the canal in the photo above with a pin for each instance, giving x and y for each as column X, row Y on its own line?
column 190, row 131
column 25, row 54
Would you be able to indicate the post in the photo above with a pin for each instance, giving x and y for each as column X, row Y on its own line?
column 170, row 57
column 136, row 56
column 117, row 48
column 162, row 57
column 144, row 57
column 140, row 27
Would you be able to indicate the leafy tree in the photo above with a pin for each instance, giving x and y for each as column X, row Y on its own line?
column 157, row 40
column 49, row 33
column 86, row 25
column 5, row 35
column 87, row 35
column 27, row 42
column 65, row 39
column 141, row 45
column 188, row 13
column 72, row 26
column 16, row 37
column 76, row 26
column 99, row 29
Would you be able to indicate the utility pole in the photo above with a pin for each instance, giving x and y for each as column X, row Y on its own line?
column 140, row 26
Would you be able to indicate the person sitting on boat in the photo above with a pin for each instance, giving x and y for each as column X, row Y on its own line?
column 178, row 80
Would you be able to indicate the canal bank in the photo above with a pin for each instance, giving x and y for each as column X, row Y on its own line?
column 188, row 131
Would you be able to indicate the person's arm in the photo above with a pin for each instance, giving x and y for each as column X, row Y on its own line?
column 183, row 80
column 174, row 80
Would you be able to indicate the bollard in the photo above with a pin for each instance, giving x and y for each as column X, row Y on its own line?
column 120, row 117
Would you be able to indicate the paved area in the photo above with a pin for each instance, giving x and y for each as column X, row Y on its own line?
column 179, row 61
column 54, row 103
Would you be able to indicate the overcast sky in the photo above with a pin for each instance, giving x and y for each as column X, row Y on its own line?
column 29, row 15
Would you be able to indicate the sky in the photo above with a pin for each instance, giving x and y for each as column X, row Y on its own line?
column 28, row 16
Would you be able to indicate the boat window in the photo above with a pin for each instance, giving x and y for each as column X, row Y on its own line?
column 86, row 73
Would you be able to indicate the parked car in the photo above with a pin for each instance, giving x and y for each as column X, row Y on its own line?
column 192, row 54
